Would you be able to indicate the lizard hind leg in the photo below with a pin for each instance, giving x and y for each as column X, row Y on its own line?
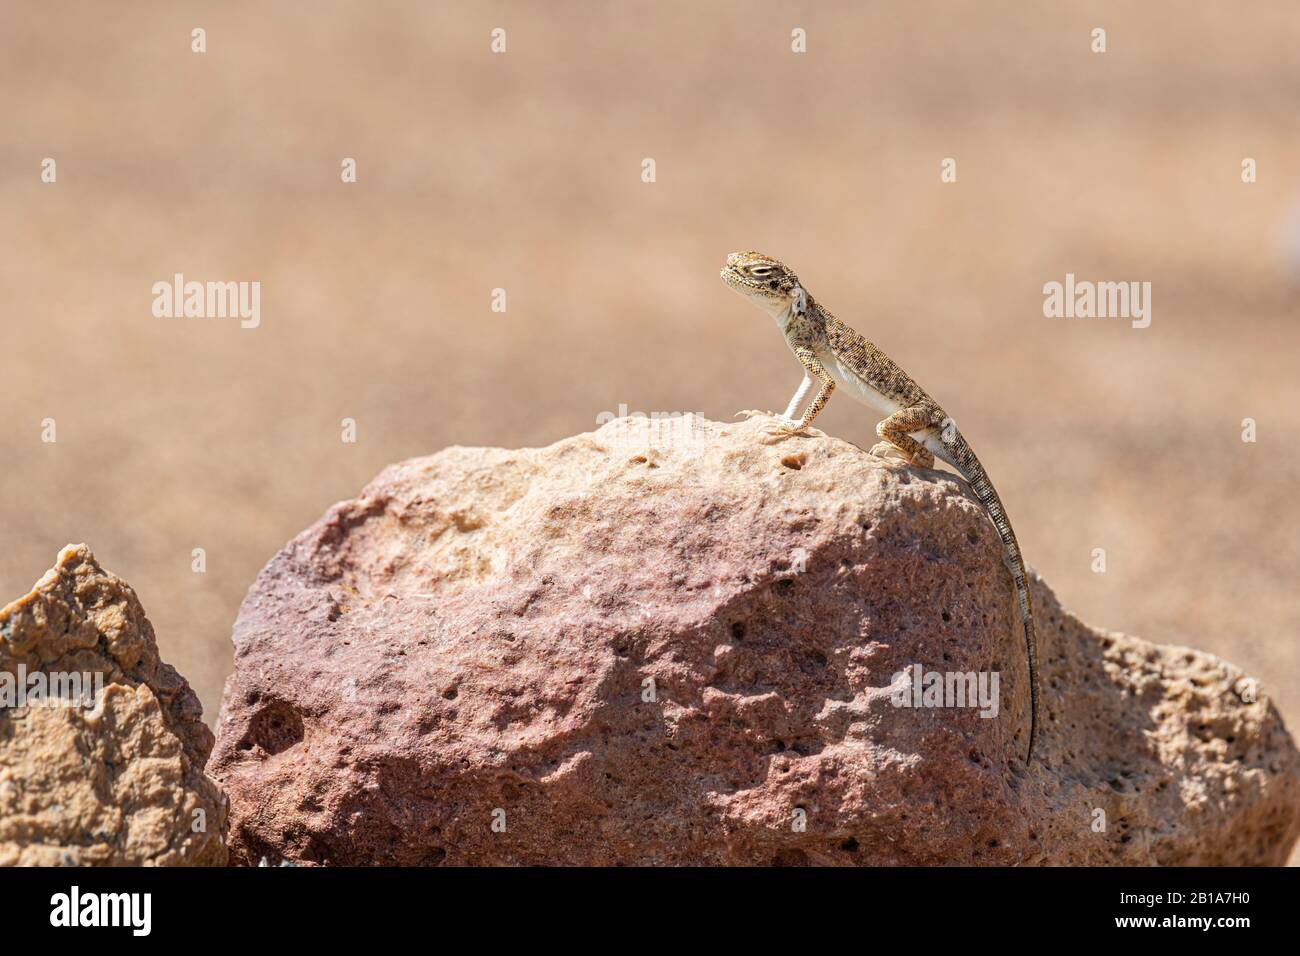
column 897, row 441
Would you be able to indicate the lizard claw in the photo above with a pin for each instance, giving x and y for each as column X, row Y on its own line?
column 775, row 431
column 883, row 449
column 781, row 429
column 890, row 451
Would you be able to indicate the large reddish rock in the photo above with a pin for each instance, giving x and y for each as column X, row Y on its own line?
column 655, row 645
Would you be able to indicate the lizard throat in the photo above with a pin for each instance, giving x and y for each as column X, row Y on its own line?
column 784, row 312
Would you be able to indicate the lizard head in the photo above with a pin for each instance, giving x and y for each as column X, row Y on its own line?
column 768, row 282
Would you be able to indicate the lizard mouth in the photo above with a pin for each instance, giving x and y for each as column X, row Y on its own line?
column 746, row 286
column 738, row 282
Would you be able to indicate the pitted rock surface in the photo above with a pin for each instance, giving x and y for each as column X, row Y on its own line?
column 654, row 646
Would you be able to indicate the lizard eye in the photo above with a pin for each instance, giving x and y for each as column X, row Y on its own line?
column 760, row 271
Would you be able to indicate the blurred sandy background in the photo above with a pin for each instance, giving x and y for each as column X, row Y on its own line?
column 522, row 171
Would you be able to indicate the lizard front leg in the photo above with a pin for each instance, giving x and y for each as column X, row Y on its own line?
column 814, row 370
column 800, row 393
column 898, row 442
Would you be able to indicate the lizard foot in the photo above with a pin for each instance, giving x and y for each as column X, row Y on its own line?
column 887, row 450
column 883, row 449
column 751, row 412
column 783, row 428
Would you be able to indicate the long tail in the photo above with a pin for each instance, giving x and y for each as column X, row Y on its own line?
column 957, row 453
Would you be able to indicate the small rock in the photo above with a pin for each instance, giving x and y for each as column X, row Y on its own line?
column 111, row 773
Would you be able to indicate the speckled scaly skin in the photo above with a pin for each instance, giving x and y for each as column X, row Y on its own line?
column 833, row 354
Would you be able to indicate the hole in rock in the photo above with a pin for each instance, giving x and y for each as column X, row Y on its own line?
column 275, row 728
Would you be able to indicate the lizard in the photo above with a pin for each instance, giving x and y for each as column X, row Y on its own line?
column 832, row 354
